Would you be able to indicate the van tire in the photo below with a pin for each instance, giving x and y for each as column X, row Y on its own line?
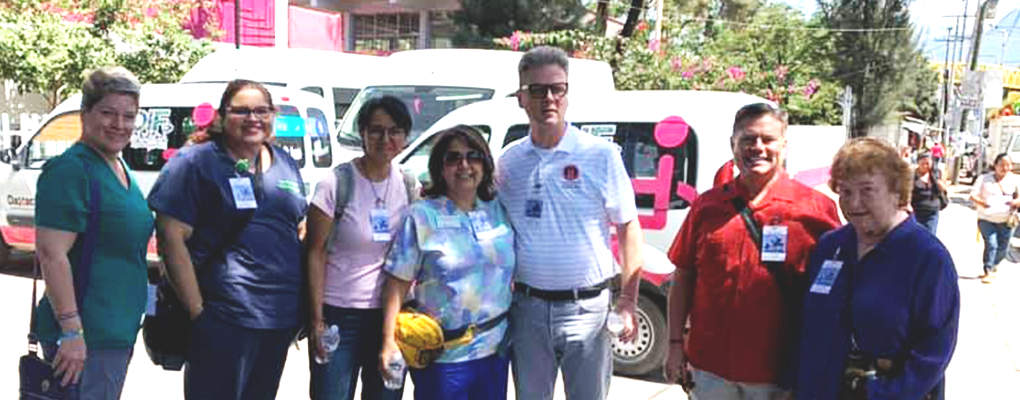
column 646, row 353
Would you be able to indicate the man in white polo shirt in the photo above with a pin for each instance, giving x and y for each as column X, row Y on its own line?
column 564, row 189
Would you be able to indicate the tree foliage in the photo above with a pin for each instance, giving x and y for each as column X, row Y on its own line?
column 47, row 47
column 878, row 62
column 479, row 21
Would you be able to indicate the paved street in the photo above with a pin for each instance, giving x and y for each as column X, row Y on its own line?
column 986, row 364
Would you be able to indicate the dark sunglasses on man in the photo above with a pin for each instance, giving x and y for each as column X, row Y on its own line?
column 453, row 158
column 540, row 91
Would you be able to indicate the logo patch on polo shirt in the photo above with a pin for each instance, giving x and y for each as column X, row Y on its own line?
column 289, row 185
column 571, row 173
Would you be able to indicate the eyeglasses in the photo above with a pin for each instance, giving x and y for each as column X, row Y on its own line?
column 244, row 112
column 376, row 132
column 453, row 158
column 539, row 91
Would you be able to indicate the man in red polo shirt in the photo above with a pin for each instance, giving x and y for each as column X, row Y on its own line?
column 742, row 293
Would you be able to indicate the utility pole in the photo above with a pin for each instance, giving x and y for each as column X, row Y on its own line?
column 601, row 17
column 237, row 24
column 944, row 103
column 658, row 20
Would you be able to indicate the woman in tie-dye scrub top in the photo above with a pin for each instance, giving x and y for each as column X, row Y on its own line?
column 457, row 246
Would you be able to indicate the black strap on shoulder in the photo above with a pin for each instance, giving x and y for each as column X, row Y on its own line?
column 775, row 268
column 81, row 272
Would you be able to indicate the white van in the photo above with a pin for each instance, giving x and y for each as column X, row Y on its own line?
column 434, row 82
column 336, row 76
column 668, row 165
column 165, row 120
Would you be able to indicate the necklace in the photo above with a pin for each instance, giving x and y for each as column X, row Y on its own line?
column 380, row 201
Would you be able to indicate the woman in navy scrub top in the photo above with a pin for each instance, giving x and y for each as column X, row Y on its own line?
column 228, row 211
column 883, row 292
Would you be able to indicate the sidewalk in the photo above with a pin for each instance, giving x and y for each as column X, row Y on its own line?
column 986, row 364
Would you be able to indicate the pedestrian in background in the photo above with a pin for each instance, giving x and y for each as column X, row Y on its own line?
column 89, row 318
column 740, row 257
column 457, row 248
column 938, row 152
column 862, row 335
column 346, row 254
column 925, row 193
column 229, row 209
column 997, row 196
column 563, row 190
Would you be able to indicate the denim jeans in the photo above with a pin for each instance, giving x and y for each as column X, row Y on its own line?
column 996, row 237
column 560, row 335
column 358, row 352
column 481, row 379
column 709, row 386
column 930, row 221
column 102, row 377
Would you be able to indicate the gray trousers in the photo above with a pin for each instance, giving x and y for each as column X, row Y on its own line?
column 549, row 336
column 103, row 375
column 709, row 386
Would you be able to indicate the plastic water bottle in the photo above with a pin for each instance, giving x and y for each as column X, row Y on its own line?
column 395, row 367
column 328, row 343
column 614, row 324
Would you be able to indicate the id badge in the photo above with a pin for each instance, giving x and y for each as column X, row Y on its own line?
column 380, row 219
column 448, row 222
column 774, row 239
column 826, row 277
column 480, row 221
column 533, row 208
column 150, row 301
column 244, row 194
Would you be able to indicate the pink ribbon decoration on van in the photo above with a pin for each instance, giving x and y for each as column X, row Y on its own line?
column 669, row 133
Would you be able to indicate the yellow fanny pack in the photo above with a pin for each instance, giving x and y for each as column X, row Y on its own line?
column 420, row 338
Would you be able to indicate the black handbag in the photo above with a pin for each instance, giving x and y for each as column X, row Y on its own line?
column 167, row 333
column 36, row 377
column 942, row 194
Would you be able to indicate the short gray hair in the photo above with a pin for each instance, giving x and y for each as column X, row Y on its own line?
column 105, row 81
column 542, row 56
column 752, row 112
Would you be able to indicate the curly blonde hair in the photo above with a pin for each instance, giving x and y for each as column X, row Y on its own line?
column 867, row 155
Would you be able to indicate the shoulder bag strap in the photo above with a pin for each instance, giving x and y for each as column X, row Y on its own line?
column 80, row 275
column 774, row 268
column 344, row 174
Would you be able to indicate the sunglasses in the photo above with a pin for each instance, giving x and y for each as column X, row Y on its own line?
column 453, row 158
column 261, row 112
column 540, row 91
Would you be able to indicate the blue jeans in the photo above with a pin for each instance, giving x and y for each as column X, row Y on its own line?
column 103, row 376
column 560, row 335
column 929, row 221
column 996, row 237
column 230, row 362
column 482, row 379
column 358, row 352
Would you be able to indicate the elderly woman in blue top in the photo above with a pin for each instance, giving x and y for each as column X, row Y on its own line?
column 91, row 345
column 229, row 209
column 883, row 303
column 458, row 246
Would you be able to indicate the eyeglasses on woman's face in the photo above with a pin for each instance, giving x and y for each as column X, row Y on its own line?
column 377, row 132
column 262, row 112
column 454, row 158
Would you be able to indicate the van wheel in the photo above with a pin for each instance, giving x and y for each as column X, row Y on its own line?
column 648, row 349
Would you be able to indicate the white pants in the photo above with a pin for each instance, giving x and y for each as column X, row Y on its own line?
column 709, row 386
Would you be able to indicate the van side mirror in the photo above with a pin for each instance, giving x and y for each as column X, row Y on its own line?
column 10, row 156
column 5, row 156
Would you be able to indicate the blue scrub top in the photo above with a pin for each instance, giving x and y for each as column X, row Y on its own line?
column 904, row 304
column 258, row 281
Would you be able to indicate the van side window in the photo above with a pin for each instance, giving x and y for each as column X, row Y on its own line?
column 342, row 99
column 642, row 155
column 516, row 132
column 290, row 133
column 314, row 89
column 318, row 132
column 59, row 134
column 158, row 131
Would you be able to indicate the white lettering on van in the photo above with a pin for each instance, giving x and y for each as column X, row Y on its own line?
column 152, row 129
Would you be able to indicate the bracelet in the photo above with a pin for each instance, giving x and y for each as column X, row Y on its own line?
column 66, row 316
column 71, row 335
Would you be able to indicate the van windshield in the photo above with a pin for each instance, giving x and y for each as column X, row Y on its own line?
column 427, row 105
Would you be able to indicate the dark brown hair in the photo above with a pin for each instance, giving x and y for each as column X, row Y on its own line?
column 217, row 128
column 473, row 139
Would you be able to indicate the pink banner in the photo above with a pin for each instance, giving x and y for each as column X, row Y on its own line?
column 315, row 29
